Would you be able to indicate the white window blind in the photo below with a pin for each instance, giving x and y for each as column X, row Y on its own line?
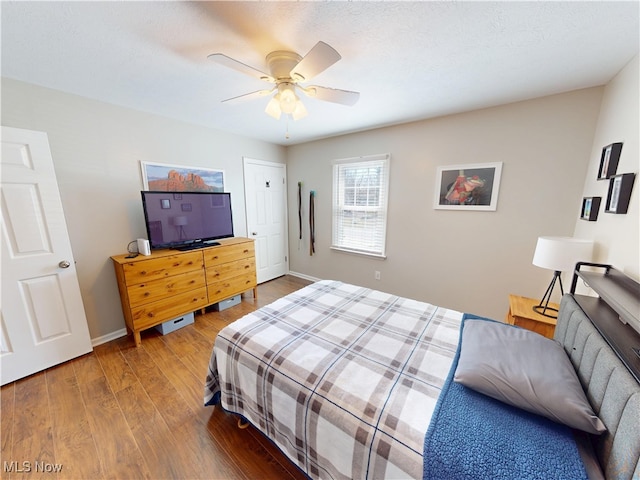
column 360, row 191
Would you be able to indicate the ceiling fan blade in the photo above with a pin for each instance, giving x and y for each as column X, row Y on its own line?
column 319, row 58
column 334, row 95
column 229, row 62
column 248, row 96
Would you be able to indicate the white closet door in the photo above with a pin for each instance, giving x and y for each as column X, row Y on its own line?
column 266, row 203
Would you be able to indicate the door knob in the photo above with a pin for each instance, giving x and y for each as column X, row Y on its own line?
column 64, row 264
column 254, row 233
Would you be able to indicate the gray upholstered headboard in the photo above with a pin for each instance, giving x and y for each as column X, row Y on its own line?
column 613, row 392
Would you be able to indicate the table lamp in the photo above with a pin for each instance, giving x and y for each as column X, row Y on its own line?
column 559, row 254
column 180, row 221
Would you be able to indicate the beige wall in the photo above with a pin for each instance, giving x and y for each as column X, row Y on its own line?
column 96, row 150
column 616, row 237
column 468, row 261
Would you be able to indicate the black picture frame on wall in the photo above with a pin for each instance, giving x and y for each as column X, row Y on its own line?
column 619, row 193
column 609, row 160
column 590, row 208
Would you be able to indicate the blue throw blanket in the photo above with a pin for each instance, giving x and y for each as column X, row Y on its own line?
column 472, row 436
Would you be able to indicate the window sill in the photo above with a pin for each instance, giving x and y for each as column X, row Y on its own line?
column 359, row 252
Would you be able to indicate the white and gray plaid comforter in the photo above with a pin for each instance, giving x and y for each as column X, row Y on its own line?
column 342, row 378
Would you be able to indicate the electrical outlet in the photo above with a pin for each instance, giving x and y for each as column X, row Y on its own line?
column 376, row 275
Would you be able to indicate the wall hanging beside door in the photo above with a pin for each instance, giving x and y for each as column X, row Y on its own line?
column 312, row 223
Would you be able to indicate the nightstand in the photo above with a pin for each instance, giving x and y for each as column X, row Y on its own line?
column 521, row 313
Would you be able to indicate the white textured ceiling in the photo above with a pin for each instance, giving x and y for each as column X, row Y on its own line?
column 409, row 60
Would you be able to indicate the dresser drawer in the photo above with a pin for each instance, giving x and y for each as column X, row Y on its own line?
column 157, row 268
column 228, row 253
column 146, row 316
column 228, row 288
column 231, row 269
column 147, row 292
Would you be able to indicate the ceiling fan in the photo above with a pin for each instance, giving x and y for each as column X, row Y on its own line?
column 288, row 71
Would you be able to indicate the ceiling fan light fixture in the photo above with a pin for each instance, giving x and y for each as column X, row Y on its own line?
column 287, row 97
column 300, row 111
column 273, row 108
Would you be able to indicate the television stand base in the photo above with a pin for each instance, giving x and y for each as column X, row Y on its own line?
column 195, row 246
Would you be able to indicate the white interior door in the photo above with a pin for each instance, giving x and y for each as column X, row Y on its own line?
column 43, row 319
column 266, row 203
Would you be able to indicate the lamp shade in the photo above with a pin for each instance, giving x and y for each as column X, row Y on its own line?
column 562, row 253
column 287, row 98
column 286, row 101
column 180, row 220
column 273, row 108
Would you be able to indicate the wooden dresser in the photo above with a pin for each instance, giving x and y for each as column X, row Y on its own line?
column 170, row 283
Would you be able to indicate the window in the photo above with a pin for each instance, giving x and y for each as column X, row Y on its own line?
column 360, row 190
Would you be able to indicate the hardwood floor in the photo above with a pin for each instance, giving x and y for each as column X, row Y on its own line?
column 126, row 412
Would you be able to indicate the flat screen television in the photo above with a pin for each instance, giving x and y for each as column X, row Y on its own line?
column 187, row 220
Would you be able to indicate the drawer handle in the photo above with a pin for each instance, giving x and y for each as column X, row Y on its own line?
column 246, row 266
column 246, row 251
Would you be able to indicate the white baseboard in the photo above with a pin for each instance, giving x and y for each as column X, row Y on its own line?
column 302, row 275
column 108, row 337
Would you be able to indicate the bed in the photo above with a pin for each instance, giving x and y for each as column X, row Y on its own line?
column 351, row 382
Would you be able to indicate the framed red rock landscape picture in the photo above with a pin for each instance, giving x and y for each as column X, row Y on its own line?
column 468, row 187
column 178, row 178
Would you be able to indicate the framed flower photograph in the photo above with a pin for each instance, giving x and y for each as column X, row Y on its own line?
column 472, row 186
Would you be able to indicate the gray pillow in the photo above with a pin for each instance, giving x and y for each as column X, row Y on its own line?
column 526, row 370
